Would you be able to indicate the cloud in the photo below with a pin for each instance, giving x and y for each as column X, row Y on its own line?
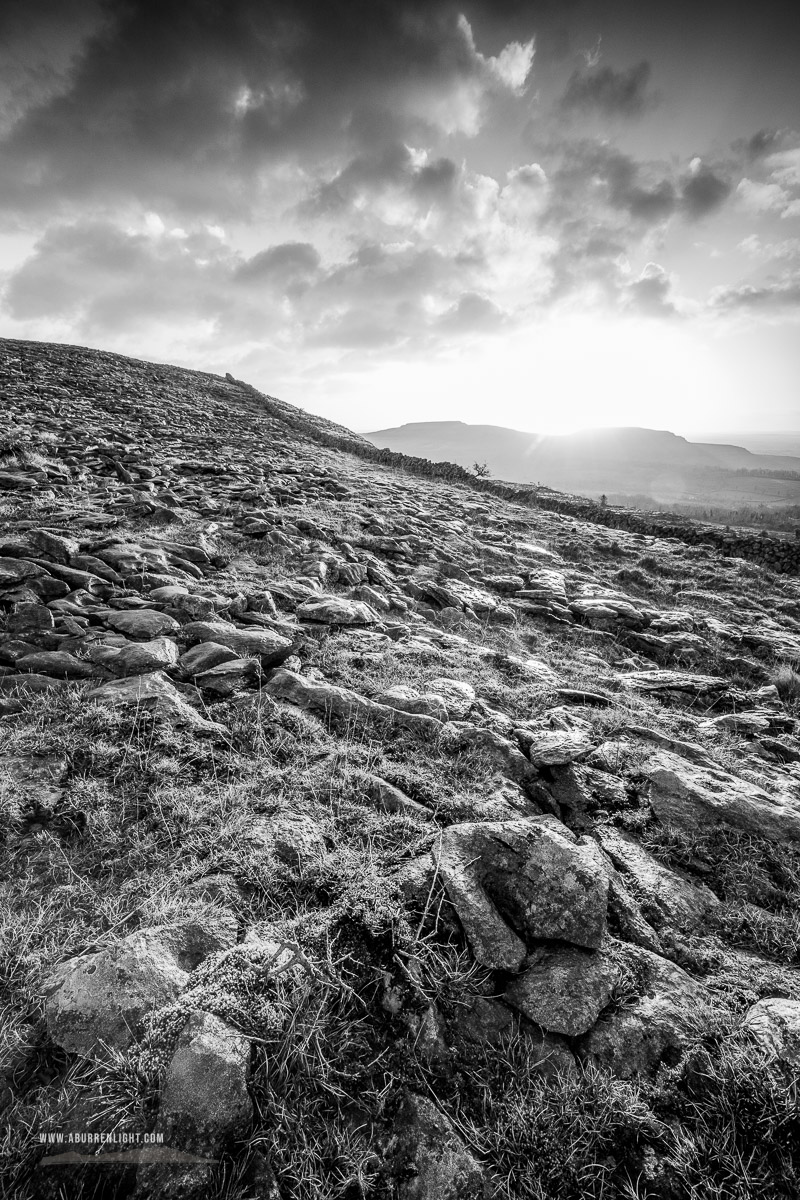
column 612, row 93
column 650, row 294
column 764, row 142
column 472, row 312
column 289, row 268
column 593, row 174
column 190, row 104
column 778, row 189
column 776, row 296
column 702, row 190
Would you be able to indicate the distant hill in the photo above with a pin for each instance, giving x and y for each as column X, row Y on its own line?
column 627, row 461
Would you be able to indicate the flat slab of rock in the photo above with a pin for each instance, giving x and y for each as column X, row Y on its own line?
column 691, row 797
column 679, row 682
column 337, row 610
column 143, row 623
column 670, row 898
column 155, row 693
column 544, row 881
column 564, row 989
column 269, row 646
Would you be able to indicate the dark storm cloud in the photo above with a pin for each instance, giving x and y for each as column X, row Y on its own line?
column 610, row 92
column 592, row 173
column 393, row 165
column 291, row 263
column 703, row 192
column 777, row 296
column 102, row 278
column 650, row 294
column 764, row 142
column 473, row 313
column 186, row 102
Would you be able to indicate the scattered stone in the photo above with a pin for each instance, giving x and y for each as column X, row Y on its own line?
column 544, row 881
column 774, row 1025
column 204, row 1098
column 155, row 693
column 427, row 1158
column 563, row 989
column 692, row 797
column 143, row 623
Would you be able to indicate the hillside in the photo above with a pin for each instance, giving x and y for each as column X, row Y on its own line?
column 370, row 834
column 620, row 462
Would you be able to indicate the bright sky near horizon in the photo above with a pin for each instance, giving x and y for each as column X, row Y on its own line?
column 545, row 215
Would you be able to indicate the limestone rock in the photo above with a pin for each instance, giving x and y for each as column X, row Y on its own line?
column 670, row 898
column 270, row 647
column 57, row 663
column 563, row 989
column 553, row 748
column 158, row 694
column 336, row 610
column 159, row 654
column 427, row 1158
column 458, row 697
column 774, row 1025
column 293, row 836
column 204, row 1098
column 101, row 998
column 143, row 623
column 692, row 797
column 544, row 881
column 653, row 1027
column 407, row 699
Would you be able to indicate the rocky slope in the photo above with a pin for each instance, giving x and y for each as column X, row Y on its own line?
column 373, row 835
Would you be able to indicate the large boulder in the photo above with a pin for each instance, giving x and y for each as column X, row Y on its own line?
column 544, row 881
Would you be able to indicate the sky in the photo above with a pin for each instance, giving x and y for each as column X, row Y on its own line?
column 547, row 215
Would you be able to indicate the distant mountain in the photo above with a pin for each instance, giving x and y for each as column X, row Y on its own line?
column 781, row 442
column 623, row 461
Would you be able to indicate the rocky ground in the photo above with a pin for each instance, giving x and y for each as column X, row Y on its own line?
column 366, row 835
